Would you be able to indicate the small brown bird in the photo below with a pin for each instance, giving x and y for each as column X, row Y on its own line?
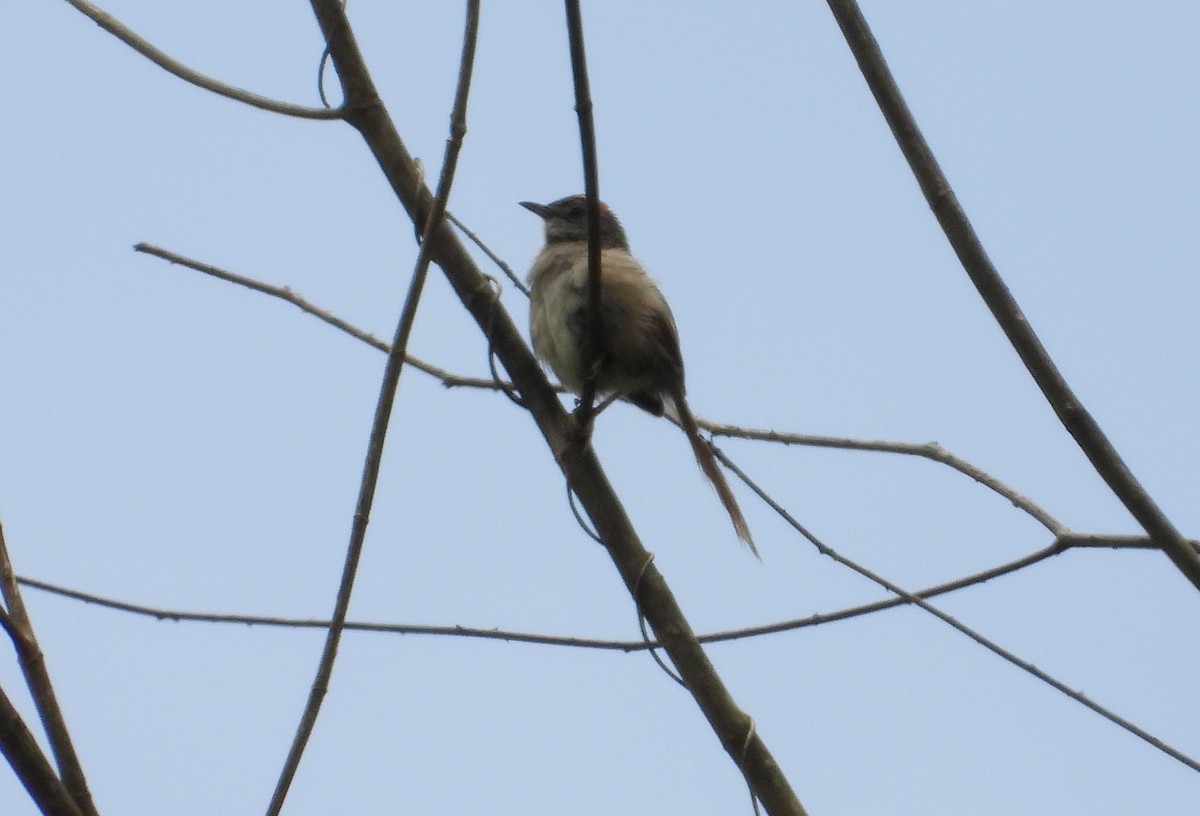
column 639, row 348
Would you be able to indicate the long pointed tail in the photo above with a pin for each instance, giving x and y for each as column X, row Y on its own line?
column 708, row 463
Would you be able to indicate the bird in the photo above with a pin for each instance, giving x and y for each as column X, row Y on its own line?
column 639, row 358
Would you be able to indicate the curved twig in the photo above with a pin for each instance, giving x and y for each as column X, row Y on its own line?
column 118, row 29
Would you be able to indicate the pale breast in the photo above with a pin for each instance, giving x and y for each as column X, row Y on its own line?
column 554, row 299
column 640, row 344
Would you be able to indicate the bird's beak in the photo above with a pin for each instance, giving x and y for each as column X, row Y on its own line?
column 537, row 209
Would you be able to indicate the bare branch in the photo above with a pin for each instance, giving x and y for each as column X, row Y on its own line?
column 448, row 378
column 37, row 678
column 161, row 613
column 1117, row 542
column 383, row 412
column 930, row 450
column 954, row 222
column 115, row 27
column 1070, row 541
column 988, row 644
column 591, row 188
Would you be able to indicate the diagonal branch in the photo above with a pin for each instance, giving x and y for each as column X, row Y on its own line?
column 115, row 27
column 37, row 678
column 30, row 764
column 579, row 463
column 953, row 220
column 448, row 378
column 383, row 412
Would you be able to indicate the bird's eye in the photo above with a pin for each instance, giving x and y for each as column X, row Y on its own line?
column 576, row 212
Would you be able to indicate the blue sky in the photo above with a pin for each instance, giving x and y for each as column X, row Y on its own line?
column 173, row 440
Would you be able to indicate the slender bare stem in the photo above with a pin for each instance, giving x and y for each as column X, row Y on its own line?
column 115, row 27
column 591, row 188
column 954, row 222
column 383, row 411
column 37, row 678
column 448, row 378
column 492, row 256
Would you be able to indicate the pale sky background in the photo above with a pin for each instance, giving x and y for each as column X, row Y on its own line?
column 173, row 440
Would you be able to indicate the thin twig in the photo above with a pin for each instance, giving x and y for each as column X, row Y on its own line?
column 591, row 188
column 954, row 222
column 37, row 678
column 447, row 378
column 929, row 450
column 115, row 27
column 492, row 256
column 383, row 411
column 988, row 644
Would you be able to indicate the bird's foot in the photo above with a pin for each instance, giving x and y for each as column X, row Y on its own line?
column 577, row 433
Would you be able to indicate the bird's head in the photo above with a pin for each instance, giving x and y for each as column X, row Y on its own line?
column 566, row 220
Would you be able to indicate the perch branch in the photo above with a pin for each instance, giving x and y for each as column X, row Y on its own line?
column 578, row 463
